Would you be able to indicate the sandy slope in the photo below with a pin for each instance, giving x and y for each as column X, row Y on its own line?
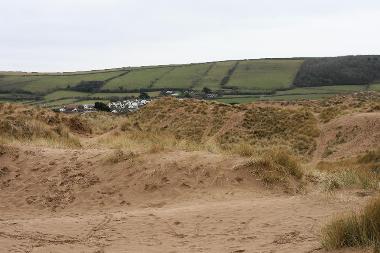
column 262, row 223
column 349, row 135
column 57, row 200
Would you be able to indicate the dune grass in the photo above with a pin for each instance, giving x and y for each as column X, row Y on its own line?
column 361, row 229
column 361, row 172
column 37, row 133
column 118, row 156
column 36, row 126
column 275, row 166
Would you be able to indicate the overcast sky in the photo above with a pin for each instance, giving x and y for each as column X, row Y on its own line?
column 67, row 35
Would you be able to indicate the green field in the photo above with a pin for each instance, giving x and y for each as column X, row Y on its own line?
column 214, row 77
column 49, row 83
column 375, row 87
column 296, row 94
column 62, row 94
column 249, row 99
column 121, row 95
column 65, row 94
column 137, row 79
column 336, row 89
column 265, row 74
column 58, row 102
column 187, row 76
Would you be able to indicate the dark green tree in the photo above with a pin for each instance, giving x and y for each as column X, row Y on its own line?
column 206, row 90
column 144, row 95
column 100, row 106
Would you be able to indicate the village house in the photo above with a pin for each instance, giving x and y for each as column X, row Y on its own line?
column 89, row 106
column 70, row 108
column 127, row 105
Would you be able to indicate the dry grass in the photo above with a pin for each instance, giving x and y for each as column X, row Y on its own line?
column 119, row 156
column 362, row 172
column 23, row 124
column 354, row 230
column 236, row 129
column 36, row 132
column 329, row 113
column 275, row 167
column 370, row 157
column 148, row 142
column 349, row 178
column 168, row 124
column 243, row 149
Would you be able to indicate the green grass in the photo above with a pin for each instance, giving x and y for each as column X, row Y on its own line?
column 375, row 87
column 265, row 74
column 65, row 94
column 323, row 90
column 186, row 76
column 92, row 101
column 48, row 83
column 59, row 102
column 14, row 82
column 214, row 77
column 249, row 99
column 123, row 94
column 137, row 79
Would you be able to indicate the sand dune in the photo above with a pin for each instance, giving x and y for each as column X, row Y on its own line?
column 149, row 182
column 58, row 200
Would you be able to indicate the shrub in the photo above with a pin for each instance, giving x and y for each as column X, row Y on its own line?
column 354, row 230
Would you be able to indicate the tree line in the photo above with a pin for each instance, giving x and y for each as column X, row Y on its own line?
column 339, row 71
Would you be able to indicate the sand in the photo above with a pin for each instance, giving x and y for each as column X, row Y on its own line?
column 58, row 200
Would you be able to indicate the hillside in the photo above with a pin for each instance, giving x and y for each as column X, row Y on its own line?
column 237, row 81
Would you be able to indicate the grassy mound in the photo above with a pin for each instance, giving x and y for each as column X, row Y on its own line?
column 227, row 126
column 28, row 124
column 275, row 167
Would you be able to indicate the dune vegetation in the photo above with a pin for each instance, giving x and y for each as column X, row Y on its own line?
column 358, row 229
column 261, row 163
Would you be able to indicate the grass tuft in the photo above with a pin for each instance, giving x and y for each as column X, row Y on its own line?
column 275, row 167
column 354, row 230
column 119, row 156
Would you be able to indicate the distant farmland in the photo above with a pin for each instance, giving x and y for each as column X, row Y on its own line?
column 238, row 80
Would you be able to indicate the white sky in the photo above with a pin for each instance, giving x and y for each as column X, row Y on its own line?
column 68, row 35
